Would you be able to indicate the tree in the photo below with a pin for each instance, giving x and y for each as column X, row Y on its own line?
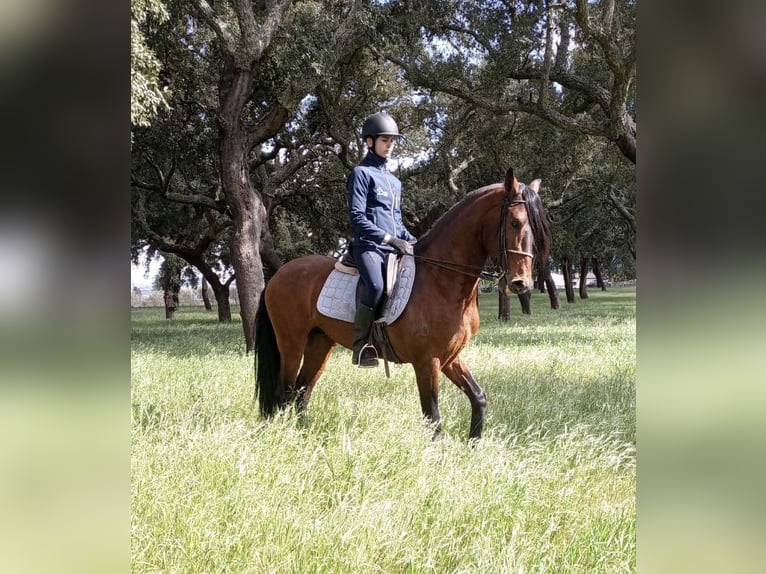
column 273, row 54
column 205, row 296
column 137, row 292
column 187, row 230
column 546, row 283
column 172, row 272
column 583, row 283
column 570, row 63
column 146, row 94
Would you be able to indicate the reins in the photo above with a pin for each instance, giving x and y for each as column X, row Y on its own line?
column 470, row 270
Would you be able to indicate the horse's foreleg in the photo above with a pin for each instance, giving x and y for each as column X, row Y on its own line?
column 315, row 357
column 458, row 373
column 427, row 376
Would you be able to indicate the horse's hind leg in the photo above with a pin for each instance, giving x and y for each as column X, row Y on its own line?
column 458, row 373
column 318, row 350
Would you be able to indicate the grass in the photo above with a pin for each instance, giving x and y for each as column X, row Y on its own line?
column 361, row 487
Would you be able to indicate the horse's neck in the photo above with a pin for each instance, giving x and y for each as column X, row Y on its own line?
column 461, row 239
column 466, row 251
column 458, row 243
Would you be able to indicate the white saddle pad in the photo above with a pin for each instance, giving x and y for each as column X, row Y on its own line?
column 338, row 296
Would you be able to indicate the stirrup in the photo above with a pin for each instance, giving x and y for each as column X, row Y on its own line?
column 371, row 361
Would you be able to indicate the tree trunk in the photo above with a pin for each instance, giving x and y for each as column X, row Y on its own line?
column 249, row 269
column 553, row 293
column 526, row 303
column 568, row 287
column 211, row 279
column 245, row 204
column 503, row 305
column 541, row 278
column 597, row 273
column 548, row 284
column 248, row 211
column 269, row 256
column 222, row 301
column 626, row 142
column 170, row 297
column 221, row 294
column 584, row 277
column 206, row 296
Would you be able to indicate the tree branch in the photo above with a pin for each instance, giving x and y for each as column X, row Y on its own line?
column 626, row 212
column 453, row 172
column 562, row 51
column 220, row 26
column 164, row 182
column 197, row 199
column 542, row 95
column 296, row 162
column 135, row 182
column 274, row 17
column 584, row 125
column 268, row 126
column 470, row 33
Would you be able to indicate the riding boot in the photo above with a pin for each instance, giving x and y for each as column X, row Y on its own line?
column 362, row 326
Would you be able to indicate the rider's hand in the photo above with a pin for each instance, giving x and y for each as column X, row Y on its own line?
column 401, row 245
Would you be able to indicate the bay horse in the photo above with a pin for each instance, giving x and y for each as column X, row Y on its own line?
column 293, row 341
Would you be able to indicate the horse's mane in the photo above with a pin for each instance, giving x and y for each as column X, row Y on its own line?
column 448, row 218
column 538, row 219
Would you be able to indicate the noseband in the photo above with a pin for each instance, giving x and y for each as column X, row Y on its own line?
column 502, row 249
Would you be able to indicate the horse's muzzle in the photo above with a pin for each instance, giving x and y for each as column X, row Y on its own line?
column 518, row 287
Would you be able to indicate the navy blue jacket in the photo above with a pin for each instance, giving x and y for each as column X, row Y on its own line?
column 374, row 205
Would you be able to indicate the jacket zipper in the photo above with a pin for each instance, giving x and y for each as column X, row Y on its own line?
column 393, row 202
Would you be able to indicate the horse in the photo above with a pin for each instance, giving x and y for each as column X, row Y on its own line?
column 505, row 222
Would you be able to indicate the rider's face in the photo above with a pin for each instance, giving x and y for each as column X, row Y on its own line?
column 384, row 145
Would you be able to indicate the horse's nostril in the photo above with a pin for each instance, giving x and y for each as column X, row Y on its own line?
column 518, row 286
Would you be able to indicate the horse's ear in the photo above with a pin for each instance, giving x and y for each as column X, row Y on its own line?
column 535, row 185
column 511, row 185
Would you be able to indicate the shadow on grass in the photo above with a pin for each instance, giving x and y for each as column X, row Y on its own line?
column 599, row 316
column 192, row 331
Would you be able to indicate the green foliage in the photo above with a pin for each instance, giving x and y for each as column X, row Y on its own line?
column 173, row 273
column 360, row 487
column 146, row 96
column 176, row 200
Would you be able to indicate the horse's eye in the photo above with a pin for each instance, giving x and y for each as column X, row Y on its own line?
column 515, row 224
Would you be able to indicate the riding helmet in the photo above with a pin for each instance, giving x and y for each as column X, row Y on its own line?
column 380, row 124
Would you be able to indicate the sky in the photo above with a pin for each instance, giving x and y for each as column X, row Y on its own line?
column 137, row 272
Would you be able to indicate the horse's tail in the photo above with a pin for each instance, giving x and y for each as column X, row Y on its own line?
column 269, row 387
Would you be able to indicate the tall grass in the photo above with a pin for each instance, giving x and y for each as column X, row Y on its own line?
column 360, row 487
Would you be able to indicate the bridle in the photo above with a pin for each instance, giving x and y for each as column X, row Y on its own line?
column 503, row 251
column 474, row 270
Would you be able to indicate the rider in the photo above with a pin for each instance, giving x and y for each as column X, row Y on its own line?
column 374, row 207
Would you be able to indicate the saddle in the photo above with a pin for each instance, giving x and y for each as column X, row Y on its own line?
column 340, row 296
column 346, row 264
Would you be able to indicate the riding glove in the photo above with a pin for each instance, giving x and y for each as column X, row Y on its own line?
column 401, row 245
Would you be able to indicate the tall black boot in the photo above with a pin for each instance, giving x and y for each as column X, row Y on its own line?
column 362, row 325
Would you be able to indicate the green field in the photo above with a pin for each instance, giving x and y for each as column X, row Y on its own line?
column 360, row 487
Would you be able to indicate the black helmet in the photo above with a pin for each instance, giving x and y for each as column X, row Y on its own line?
column 380, row 124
